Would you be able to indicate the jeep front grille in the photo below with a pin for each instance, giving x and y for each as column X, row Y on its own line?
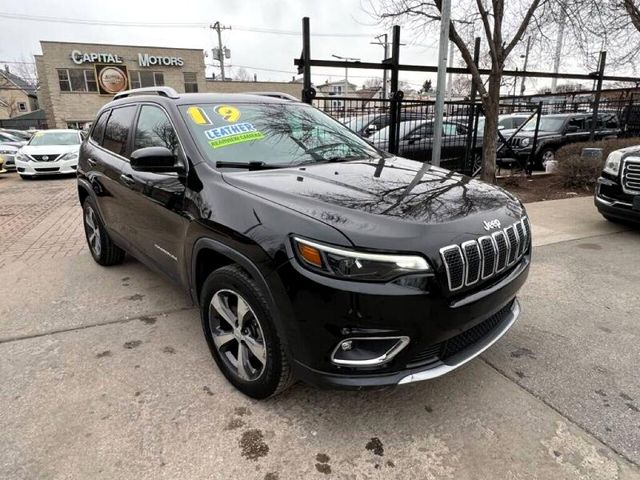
column 487, row 256
column 631, row 176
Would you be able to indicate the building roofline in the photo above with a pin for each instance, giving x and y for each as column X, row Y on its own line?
column 120, row 45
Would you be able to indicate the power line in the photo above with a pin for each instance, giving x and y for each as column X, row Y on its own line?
column 109, row 23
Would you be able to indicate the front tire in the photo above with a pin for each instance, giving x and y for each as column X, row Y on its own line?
column 239, row 328
column 102, row 248
column 546, row 155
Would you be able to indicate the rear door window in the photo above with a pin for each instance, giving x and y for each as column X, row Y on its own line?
column 98, row 129
column 117, row 130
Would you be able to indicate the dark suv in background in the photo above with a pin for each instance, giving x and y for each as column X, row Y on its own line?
column 555, row 131
column 312, row 254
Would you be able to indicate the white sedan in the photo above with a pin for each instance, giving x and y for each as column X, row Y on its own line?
column 50, row 152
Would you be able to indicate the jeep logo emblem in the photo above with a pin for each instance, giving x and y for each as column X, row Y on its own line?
column 490, row 225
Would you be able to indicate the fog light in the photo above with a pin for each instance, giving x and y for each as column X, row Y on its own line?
column 367, row 351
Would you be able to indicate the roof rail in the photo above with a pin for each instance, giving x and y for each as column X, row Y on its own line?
column 283, row 96
column 161, row 91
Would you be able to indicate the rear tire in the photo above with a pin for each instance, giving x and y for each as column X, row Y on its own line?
column 243, row 339
column 102, row 248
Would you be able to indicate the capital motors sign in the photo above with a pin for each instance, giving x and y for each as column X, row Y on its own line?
column 144, row 59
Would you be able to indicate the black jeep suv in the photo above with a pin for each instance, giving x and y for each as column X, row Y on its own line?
column 617, row 194
column 311, row 254
column 554, row 131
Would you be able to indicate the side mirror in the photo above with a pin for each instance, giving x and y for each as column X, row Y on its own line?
column 371, row 129
column 154, row 159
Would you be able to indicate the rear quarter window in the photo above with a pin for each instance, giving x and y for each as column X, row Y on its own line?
column 117, row 130
column 98, row 129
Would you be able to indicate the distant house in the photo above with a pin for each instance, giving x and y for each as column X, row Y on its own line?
column 341, row 88
column 17, row 96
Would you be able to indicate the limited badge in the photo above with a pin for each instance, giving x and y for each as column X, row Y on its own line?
column 229, row 113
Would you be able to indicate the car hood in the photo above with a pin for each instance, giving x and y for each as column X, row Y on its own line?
column 10, row 146
column 49, row 149
column 530, row 134
column 400, row 204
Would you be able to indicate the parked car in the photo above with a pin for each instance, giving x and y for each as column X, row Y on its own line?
column 23, row 135
column 7, row 137
column 367, row 125
column 555, row 131
column 49, row 152
column 415, row 140
column 2, row 169
column 8, row 151
column 506, row 123
column 617, row 194
column 311, row 254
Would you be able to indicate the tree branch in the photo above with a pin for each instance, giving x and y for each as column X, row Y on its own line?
column 487, row 30
column 523, row 26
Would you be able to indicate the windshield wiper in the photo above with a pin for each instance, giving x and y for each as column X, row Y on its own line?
column 247, row 165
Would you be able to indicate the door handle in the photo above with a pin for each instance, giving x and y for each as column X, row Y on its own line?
column 127, row 180
column 91, row 162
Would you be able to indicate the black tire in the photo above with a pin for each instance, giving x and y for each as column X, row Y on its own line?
column 275, row 375
column 540, row 157
column 103, row 250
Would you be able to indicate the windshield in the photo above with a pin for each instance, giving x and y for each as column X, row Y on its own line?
column 55, row 138
column 405, row 128
column 273, row 134
column 7, row 137
column 547, row 124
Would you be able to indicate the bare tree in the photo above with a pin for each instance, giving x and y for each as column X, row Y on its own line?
column 503, row 24
column 372, row 82
column 240, row 74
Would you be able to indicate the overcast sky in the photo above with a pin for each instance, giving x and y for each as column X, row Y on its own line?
column 269, row 55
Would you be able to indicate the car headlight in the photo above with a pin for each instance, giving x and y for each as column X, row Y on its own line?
column 612, row 165
column 525, row 142
column 21, row 157
column 359, row 266
column 69, row 156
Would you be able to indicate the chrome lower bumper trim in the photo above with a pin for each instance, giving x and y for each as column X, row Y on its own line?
column 466, row 355
column 614, row 203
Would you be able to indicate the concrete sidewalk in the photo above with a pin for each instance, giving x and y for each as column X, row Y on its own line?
column 106, row 374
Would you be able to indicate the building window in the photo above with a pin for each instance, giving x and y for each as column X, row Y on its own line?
column 77, row 80
column 190, row 82
column 22, row 106
column 144, row 78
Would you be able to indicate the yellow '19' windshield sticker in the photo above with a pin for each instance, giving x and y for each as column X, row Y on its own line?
column 228, row 113
column 232, row 135
column 198, row 116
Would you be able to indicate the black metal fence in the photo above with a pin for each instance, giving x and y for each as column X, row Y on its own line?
column 463, row 126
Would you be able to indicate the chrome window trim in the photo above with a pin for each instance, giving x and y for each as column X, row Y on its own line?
column 467, row 263
column 443, row 250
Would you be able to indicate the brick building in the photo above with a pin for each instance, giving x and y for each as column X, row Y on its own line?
column 76, row 79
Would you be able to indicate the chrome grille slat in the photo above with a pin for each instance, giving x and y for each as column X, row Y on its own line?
column 631, row 176
column 480, row 259
column 489, row 255
column 473, row 260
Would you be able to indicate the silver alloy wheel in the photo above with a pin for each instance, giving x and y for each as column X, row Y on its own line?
column 547, row 157
column 237, row 334
column 93, row 231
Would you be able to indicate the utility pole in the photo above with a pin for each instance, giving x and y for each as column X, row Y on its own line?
column 559, row 41
column 221, row 51
column 385, row 45
column 524, row 68
column 450, row 75
column 445, row 17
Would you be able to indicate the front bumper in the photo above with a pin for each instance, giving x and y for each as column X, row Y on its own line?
column 59, row 167
column 445, row 332
column 9, row 162
column 611, row 201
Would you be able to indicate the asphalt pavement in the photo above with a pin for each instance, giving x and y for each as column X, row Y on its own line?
column 104, row 373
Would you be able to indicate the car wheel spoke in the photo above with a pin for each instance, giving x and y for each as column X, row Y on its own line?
column 222, row 339
column 242, row 361
column 257, row 349
column 242, row 310
column 220, row 304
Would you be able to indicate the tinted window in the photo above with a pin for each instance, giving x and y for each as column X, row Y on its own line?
column 577, row 122
column 98, row 129
column 155, row 130
column 117, row 131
